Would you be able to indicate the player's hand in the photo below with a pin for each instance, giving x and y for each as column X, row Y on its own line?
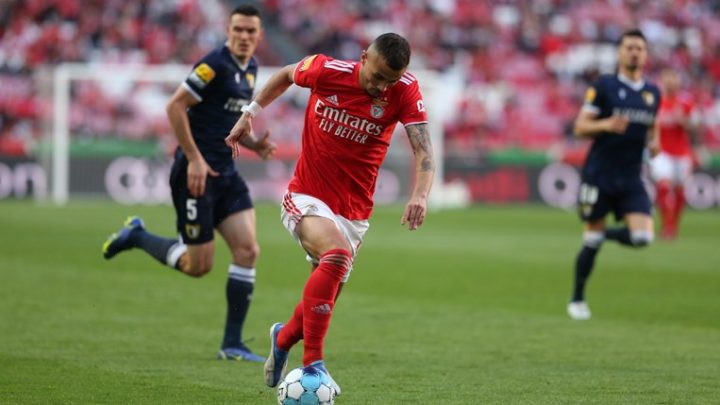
column 264, row 147
column 240, row 130
column 414, row 214
column 197, row 173
column 617, row 124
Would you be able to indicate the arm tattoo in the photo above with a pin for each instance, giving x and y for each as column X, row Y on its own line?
column 420, row 142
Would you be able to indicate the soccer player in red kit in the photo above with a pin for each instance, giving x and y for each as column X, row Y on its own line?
column 670, row 169
column 351, row 114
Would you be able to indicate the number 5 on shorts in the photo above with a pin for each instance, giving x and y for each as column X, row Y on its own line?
column 191, row 209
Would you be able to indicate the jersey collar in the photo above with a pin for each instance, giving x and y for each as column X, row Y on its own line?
column 633, row 85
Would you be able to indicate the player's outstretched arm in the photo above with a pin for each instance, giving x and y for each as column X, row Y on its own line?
column 276, row 85
column 416, row 207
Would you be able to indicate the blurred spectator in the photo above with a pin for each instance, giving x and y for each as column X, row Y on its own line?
column 43, row 33
column 514, row 70
column 540, row 50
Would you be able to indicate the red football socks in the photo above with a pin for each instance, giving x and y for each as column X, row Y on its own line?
column 319, row 299
column 679, row 206
column 666, row 204
column 292, row 332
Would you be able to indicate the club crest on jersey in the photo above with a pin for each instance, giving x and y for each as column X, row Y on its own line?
column 250, row 79
column 192, row 231
column 622, row 93
column 648, row 97
column 376, row 111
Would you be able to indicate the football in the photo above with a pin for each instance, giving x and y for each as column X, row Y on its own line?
column 306, row 386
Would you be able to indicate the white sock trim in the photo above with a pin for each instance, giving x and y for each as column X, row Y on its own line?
column 642, row 237
column 241, row 273
column 173, row 255
column 593, row 239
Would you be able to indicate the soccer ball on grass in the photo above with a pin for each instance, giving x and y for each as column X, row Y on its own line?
column 306, row 386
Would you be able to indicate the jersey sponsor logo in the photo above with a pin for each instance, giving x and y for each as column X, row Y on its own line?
column 192, row 231
column 648, row 97
column 590, row 95
column 306, row 64
column 340, row 123
column 235, row 104
column 636, row 116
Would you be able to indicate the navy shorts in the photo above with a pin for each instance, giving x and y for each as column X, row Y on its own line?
column 197, row 217
column 622, row 196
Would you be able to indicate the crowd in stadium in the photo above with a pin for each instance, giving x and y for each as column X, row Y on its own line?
column 513, row 73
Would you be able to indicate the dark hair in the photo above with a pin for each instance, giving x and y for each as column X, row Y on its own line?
column 247, row 10
column 634, row 33
column 394, row 49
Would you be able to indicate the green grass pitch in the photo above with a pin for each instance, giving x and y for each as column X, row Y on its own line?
column 468, row 310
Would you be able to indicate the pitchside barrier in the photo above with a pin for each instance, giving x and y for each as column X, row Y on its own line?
column 108, row 137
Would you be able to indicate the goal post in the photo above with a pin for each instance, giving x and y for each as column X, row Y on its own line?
column 66, row 73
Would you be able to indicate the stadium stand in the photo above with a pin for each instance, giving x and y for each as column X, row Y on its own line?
column 514, row 70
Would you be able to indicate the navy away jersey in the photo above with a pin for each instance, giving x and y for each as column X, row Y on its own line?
column 620, row 155
column 223, row 87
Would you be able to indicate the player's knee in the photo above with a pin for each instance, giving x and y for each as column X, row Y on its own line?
column 593, row 239
column 641, row 238
column 339, row 244
column 199, row 268
column 246, row 254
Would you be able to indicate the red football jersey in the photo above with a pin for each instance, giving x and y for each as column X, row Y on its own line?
column 674, row 140
column 347, row 133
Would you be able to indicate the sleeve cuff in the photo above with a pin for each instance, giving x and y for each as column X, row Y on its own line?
column 192, row 91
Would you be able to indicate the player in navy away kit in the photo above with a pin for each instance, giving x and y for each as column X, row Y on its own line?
column 207, row 192
column 619, row 115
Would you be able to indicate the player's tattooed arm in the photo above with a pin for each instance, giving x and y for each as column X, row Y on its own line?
column 422, row 148
column 415, row 210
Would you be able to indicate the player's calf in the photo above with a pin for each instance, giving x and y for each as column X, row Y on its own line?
column 635, row 238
